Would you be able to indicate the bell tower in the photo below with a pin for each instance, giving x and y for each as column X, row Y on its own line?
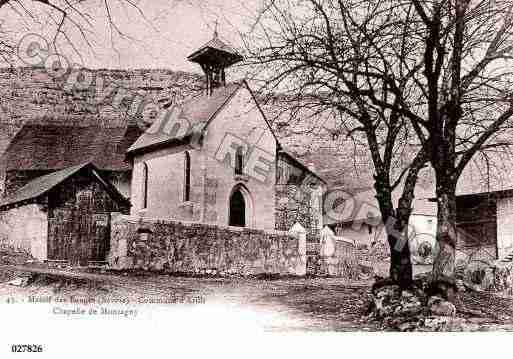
column 214, row 58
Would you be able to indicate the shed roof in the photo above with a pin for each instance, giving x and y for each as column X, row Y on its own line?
column 487, row 174
column 43, row 184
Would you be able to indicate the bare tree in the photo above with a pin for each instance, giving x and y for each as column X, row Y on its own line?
column 465, row 53
column 310, row 50
column 429, row 75
column 72, row 21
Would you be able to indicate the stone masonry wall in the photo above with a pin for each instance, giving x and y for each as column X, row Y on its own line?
column 25, row 228
column 343, row 262
column 298, row 200
column 181, row 247
column 337, row 257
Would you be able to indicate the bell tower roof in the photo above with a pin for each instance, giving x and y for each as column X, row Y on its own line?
column 214, row 58
column 216, row 52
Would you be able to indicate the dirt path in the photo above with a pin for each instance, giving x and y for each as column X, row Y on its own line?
column 292, row 304
column 277, row 305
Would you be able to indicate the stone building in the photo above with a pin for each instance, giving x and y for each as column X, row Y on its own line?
column 62, row 216
column 484, row 218
column 484, row 202
column 215, row 159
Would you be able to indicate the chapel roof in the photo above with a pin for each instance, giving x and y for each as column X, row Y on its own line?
column 194, row 115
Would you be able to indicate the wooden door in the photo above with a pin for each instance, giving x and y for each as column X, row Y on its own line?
column 77, row 233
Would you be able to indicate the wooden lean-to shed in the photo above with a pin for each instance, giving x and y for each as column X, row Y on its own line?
column 63, row 216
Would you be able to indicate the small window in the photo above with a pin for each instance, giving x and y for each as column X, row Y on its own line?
column 187, row 177
column 145, row 186
column 239, row 161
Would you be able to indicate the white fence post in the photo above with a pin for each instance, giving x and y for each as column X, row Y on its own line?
column 299, row 232
column 327, row 250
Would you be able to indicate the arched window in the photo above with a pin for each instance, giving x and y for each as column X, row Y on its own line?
column 237, row 209
column 145, row 186
column 187, row 178
column 239, row 161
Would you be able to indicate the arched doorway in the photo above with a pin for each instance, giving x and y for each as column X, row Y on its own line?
column 237, row 209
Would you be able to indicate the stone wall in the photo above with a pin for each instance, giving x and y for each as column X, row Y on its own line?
column 25, row 228
column 298, row 199
column 337, row 256
column 485, row 254
column 184, row 247
column 343, row 262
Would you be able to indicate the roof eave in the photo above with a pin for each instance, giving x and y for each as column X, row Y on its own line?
column 234, row 57
column 298, row 163
column 159, row 145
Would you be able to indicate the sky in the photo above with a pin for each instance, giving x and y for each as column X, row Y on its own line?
column 162, row 36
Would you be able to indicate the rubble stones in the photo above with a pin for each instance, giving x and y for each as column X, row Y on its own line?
column 479, row 276
column 389, row 300
column 22, row 280
column 411, row 310
column 439, row 306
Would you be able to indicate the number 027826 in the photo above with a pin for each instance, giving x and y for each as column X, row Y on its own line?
column 26, row 348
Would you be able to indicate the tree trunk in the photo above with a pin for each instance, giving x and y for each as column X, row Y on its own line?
column 444, row 263
column 396, row 227
column 400, row 262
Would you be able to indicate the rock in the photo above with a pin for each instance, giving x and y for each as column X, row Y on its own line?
column 478, row 320
column 480, row 275
column 409, row 304
column 439, row 306
column 407, row 294
column 389, row 301
column 387, row 291
column 386, row 299
column 447, row 324
column 444, row 287
column 16, row 282
column 21, row 281
column 460, row 285
column 504, row 318
column 435, row 324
